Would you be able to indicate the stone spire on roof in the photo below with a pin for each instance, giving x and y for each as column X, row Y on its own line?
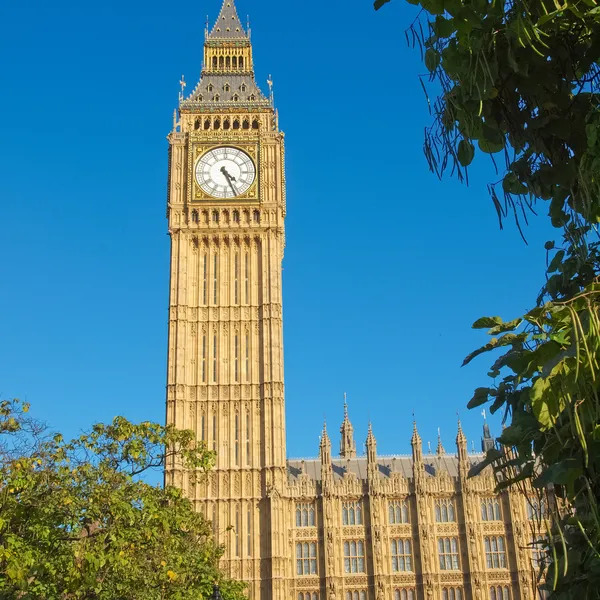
column 228, row 25
column 325, row 446
column 440, row 447
column 371, row 445
column 347, row 443
column 487, row 441
column 460, row 436
column 417, row 444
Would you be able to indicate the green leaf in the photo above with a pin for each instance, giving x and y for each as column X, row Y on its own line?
column 549, row 245
column 492, row 455
column 443, row 27
column 564, row 472
column 490, row 147
column 485, row 322
column 556, row 261
column 379, row 3
column 435, row 7
column 432, row 59
column 479, row 397
column 466, row 152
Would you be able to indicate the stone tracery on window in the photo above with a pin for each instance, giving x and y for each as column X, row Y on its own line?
column 356, row 595
column 448, row 554
column 444, row 510
column 495, row 552
column 404, row 594
column 354, row 556
column 401, row 552
column 499, row 592
column 306, row 558
column 305, row 514
column 398, row 512
column 490, row 509
column 352, row 513
column 452, row 593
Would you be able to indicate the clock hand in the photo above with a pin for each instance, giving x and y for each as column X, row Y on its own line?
column 230, row 179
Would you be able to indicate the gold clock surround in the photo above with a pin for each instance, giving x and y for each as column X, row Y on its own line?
column 199, row 150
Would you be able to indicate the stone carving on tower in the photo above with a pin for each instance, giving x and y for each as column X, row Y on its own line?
column 352, row 527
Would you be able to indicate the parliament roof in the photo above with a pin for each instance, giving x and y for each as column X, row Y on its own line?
column 386, row 465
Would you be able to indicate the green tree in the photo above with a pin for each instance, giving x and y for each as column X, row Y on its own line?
column 519, row 81
column 77, row 521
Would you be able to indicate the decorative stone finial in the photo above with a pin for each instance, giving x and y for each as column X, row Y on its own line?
column 440, row 447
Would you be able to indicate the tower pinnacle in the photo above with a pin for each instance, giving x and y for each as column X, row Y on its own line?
column 347, row 443
column 440, row 447
column 325, row 446
column 371, row 446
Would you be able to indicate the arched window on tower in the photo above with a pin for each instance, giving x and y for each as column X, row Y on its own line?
column 234, row 62
column 228, row 62
column 226, row 88
column 214, row 62
column 236, row 216
column 216, row 97
column 221, row 62
column 197, row 124
column 246, row 124
column 241, row 62
column 252, row 98
column 215, row 216
column 217, row 123
column 255, row 124
column 235, row 98
column 236, row 123
column 226, row 123
column 207, row 124
column 243, row 87
column 194, row 216
column 256, row 216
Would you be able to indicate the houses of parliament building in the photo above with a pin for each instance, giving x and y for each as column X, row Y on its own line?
column 341, row 527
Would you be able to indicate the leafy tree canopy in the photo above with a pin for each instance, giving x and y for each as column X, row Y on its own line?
column 519, row 81
column 77, row 521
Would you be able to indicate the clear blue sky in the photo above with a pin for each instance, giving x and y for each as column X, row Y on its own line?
column 385, row 269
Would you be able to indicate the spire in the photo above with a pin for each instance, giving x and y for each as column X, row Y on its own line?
column 461, row 447
column 228, row 25
column 325, row 446
column 440, row 447
column 227, row 78
column 371, row 445
column 460, row 436
column 347, row 443
column 416, row 438
column 417, row 444
column 487, row 441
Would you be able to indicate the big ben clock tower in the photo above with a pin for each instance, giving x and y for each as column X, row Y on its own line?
column 226, row 209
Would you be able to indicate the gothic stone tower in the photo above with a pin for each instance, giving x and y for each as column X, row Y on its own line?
column 226, row 209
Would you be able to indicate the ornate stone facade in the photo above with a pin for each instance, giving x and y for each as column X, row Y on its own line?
column 348, row 528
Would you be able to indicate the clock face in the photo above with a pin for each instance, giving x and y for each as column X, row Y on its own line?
column 225, row 172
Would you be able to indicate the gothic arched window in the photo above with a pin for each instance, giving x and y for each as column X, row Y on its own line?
column 255, row 124
column 214, row 62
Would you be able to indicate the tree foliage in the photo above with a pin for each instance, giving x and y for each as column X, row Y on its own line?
column 77, row 521
column 519, row 81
